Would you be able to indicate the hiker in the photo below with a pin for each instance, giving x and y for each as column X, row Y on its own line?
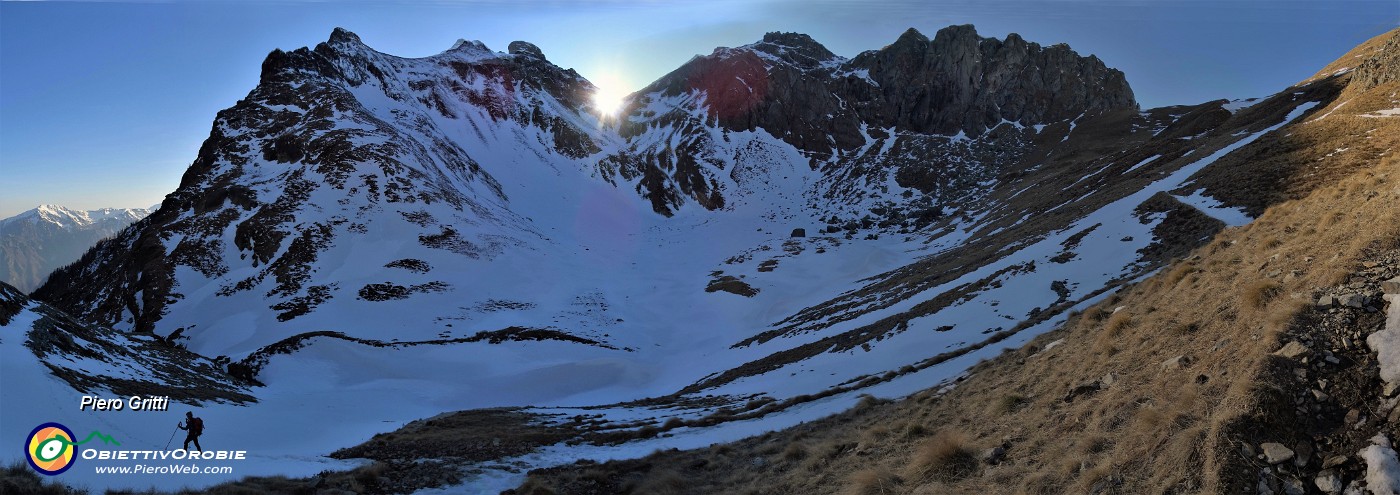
column 195, row 426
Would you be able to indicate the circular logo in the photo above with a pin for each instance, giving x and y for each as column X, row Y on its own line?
column 50, row 448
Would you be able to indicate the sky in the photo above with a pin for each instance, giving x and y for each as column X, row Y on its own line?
column 105, row 104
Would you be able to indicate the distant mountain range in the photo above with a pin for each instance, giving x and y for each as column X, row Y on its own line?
column 36, row 242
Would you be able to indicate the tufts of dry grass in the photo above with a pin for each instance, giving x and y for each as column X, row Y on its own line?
column 1008, row 404
column 19, row 478
column 868, row 401
column 945, row 457
column 1258, row 294
column 873, row 481
column 1176, row 275
column 662, row 482
column 794, row 452
column 1112, row 331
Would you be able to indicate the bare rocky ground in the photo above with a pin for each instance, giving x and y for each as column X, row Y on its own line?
column 1330, row 401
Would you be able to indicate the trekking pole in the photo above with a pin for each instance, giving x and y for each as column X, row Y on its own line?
column 172, row 437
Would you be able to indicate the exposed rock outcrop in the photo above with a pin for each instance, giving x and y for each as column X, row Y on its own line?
column 970, row 83
column 1380, row 68
column 798, row 90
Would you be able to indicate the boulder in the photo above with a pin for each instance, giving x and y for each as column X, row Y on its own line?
column 1328, row 482
column 799, row 232
column 1176, row 363
column 1276, row 453
column 1108, row 380
column 993, row 455
column 1391, row 286
column 1293, row 350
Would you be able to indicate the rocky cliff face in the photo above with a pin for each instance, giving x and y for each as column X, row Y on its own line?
column 1380, row 68
column 917, row 95
column 969, row 83
column 798, row 90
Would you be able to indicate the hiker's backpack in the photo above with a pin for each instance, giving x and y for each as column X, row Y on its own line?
column 196, row 426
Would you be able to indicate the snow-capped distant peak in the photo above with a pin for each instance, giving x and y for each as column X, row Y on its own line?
column 53, row 214
column 37, row 241
column 70, row 218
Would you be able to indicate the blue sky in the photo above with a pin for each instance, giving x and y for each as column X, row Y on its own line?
column 106, row 103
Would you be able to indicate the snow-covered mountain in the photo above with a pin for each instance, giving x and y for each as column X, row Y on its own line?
column 36, row 242
column 763, row 234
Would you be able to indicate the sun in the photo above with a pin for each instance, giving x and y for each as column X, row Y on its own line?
column 607, row 95
column 607, row 102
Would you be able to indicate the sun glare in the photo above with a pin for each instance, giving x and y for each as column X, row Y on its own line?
column 607, row 98
column 607, row 102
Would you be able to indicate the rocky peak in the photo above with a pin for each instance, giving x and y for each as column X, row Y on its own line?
column 469, row 46
column 343, row 37
column 962, row 34
column 910, row 38
column 526, row 49
column 960, row 81
column 794, row 48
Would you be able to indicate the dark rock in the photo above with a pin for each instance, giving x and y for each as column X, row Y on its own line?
column 972, row 83
column 525, row 48
column 993, row 455
column 1293, row 486
column 799, row 232
column 1083, row 389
